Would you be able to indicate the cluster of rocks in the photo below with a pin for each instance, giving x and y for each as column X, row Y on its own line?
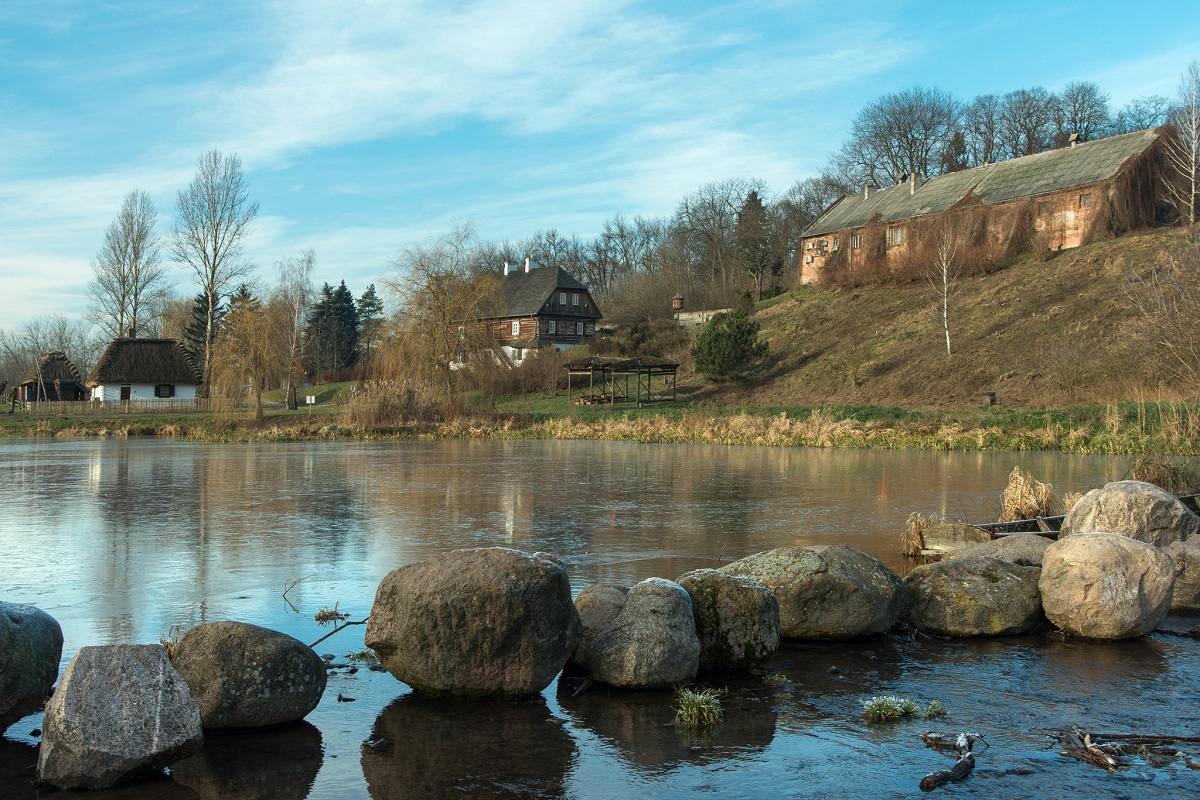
column 120, row 711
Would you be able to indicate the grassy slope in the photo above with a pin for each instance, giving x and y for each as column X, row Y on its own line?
column 1046, row 334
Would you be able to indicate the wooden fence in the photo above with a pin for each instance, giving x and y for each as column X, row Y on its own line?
column 94, row 408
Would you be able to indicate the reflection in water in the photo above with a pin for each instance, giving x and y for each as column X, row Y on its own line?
column 278, row 763
column 425, row 748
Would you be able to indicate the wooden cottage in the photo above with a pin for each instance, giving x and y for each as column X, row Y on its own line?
column 543, row 307
column 53, row 379
column 144, row 369
column 1052, row 200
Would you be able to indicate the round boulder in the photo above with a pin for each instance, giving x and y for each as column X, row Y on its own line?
column 1025, row 549
column 1135, row 509
column 973, row 596
column 737, row 619
column 1106, row 585
column 826, row 592
column 489, row 622
column 1186, row 555
column 30, row 648
column 598, row 605
column 244, row 676
column 652, row 643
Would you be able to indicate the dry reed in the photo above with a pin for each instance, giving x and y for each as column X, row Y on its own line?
column 1025, row 497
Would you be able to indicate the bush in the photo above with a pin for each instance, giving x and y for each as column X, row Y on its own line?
column 728, row 347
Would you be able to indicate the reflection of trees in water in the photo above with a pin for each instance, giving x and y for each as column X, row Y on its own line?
column 279, row 762
column 422, row 747
column 640, row 724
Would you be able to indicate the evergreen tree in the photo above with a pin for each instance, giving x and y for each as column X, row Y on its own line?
column 728, row 347
column 194, row 333
column 370, row 318
column 332, row 331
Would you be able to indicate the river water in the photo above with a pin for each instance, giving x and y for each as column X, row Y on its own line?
column 122, row 539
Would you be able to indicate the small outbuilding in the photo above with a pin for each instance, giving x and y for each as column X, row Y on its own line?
column 144, row 370
column 53, row 379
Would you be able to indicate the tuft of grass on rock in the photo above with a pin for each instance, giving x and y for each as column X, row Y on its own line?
column 364, row 656
column 171, row 638
column 698, row 708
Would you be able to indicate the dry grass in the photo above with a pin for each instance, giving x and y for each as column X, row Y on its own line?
column 1177, row 477
column 912, row 541
column 1025, row 497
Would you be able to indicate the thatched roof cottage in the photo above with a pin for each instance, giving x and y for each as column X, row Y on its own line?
column 52, row 379
column 144, row 369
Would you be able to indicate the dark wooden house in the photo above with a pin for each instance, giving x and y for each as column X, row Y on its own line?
column 144, row 369
column 54, row 378
column 543, row 307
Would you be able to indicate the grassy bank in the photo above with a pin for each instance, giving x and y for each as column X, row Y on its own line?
column 1125, row 428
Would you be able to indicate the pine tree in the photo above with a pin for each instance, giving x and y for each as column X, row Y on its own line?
column 194, row 333
column 728, row 347
column 332, row 331
column 370, row 318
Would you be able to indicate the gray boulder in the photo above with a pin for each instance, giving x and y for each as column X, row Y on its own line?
column 598, row 605
column 951, row 536
column 1135, row 509
column 652, row 643
column 491, row 622
column 30, row 648
column 120, row 711
column 1186, row 555
column 826, row 592
column 244, row 676
column 1106, row 585
column 973, row 596
column 737, row 619
column 1026, row 549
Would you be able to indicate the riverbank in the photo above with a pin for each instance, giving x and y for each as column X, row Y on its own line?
column 1114, row 429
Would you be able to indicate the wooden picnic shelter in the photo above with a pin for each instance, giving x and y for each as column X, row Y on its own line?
column 612, row 380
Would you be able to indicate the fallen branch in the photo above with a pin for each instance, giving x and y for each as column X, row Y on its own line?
column 1079, row 745
column 337, row 628
column 961, row 769
column 962, row 744
column 292, row 585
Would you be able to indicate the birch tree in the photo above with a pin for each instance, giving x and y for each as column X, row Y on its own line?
column 213, row 218
column 943, row 275
column 129, row 282
column 1183, row 150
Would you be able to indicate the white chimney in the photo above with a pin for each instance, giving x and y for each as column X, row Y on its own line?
column 867, row 192
column 914, row 183
column 530, row 264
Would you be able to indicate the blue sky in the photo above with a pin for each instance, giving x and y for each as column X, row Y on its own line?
column 365, row 127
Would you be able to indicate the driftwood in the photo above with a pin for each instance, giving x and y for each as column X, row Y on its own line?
column 1106, row 750
column 962, row 744
column 1079, row 745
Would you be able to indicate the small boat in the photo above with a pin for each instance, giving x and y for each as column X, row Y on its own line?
column 1049, row 526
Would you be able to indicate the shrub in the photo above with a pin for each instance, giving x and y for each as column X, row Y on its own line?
column 728, row 347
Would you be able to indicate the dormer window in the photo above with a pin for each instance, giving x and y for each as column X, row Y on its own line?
column 562, row 298
column 575, row 298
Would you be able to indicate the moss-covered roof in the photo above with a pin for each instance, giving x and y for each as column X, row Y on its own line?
column 1029, row 176
column 145, row 361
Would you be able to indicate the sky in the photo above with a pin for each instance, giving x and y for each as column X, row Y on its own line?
column 368, row 127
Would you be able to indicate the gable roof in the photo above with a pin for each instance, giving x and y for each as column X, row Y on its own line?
column 1028, row 176
column 526, row 292
column 145, row 361
column 54, row 367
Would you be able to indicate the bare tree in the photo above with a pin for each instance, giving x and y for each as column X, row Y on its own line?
column 899, row 134
column 213, row 218
column 705, row 221
column 292, row 300
column 1082, row 109
column 981, row 129
column 129, row 282
column 251, row 350
column 1183, row 149
column 1140, row 113
column 1027, row 121
column 942, row 275
column 1167, row 299
column 20, row 348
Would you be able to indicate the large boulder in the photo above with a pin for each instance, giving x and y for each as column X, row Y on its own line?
column 1186, row 555
column 1135, row 509
column 973, row 596
column 737, row 619
column 244, row 676
column 30, row 648
column 120, row 711
column 652, row 643
column 1106, row 585
column 1026, row 549
column 491, row 622
column 598, row 605
column 826, row 592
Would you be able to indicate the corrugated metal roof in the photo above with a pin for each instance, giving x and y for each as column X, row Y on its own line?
column 1028, row 176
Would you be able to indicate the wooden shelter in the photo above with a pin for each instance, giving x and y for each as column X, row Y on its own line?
column 611, row 380
column 53, row 379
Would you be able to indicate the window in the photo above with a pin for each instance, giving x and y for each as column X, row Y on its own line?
column 808, row 245
column 551, row 327
column 575, row 298
column 856, row 241
column 837, row 245
column 895, row 236
column 808, row 259
column 516, row 327
column 562, row 298
column 1085, row 200
column 579, row 329
column 164, row 390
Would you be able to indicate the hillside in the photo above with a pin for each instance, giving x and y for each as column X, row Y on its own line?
column 1054, row 333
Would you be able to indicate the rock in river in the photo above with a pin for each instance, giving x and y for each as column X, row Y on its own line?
column 120, row 711
column 30, row 647
column 737, row 619
column 652, row 643
column 826, row 592
column 244, row 676
column 1135, row 509
column 973, row 596
column 598, row 605
column 489, row 622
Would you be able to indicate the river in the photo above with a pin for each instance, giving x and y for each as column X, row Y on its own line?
column 121, row 539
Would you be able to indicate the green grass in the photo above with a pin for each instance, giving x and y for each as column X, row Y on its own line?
column 698, row 708
column 885, row 708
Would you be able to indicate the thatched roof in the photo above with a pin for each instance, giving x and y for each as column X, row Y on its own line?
column 1029, row 176
column 54, row 367
column 145, row 361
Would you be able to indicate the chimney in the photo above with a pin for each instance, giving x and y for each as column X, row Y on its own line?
column 506, row 269
column 530, row 265
column 867, row 192
column 914, row 183
column 1073, row 139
